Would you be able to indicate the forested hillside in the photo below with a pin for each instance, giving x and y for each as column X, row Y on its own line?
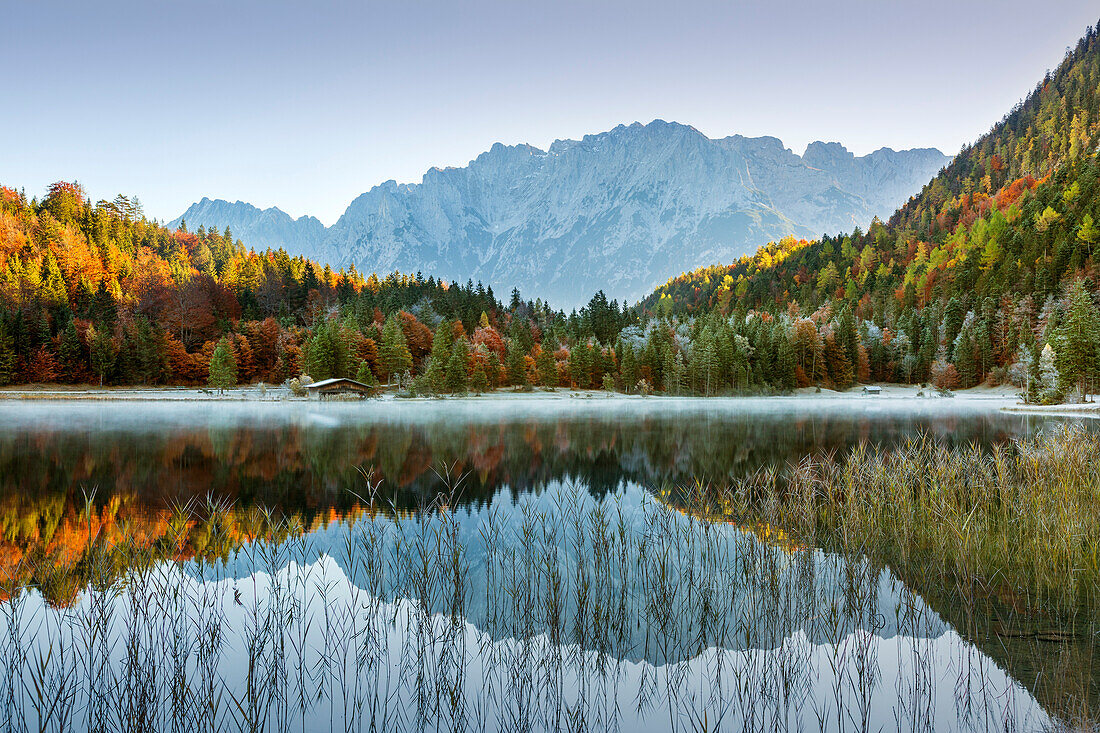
column 970, row 281
column 99, row 294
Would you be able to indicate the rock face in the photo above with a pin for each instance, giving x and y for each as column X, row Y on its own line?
column 620, row 211
column 259, row 228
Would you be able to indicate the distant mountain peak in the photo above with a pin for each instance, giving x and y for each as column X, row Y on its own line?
column 620, row 210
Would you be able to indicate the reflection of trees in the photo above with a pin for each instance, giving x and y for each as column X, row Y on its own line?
column 1060, row 669
column 308, row 472
column 300, row 468
column 304, row 470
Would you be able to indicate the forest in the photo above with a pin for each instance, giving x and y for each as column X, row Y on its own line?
column 988, row 275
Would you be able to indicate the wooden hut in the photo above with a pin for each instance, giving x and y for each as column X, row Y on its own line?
column 872, row 390
column 338, row 386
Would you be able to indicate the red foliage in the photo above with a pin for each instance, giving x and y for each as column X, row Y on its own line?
column 41, row 366
column 418, row 337
column 491, row 338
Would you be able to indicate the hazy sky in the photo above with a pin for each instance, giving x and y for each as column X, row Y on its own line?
column 304, row 105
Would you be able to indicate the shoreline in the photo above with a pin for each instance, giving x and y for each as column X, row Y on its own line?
column 252, row 393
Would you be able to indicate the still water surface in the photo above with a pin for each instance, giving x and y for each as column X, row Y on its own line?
column 477, row 565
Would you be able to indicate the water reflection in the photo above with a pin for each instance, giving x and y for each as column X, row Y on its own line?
column 556, row 611
column 551, row 591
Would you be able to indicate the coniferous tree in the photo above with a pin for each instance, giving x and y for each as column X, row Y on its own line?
column 547, row 367
column 320, row 352
column 628, row 367
column 785, row 364
column 393, row 355
column 70, row 352
column 1077, row 342
column 7, row 355
column 479, row 381
column 457, row 378
column 515, row 364
column 365, row 375
column 223, row 366
column 101, row 353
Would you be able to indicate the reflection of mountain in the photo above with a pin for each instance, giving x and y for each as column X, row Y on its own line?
column 1061, row 670
column 731, row 590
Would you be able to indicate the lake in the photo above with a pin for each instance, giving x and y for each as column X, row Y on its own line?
column 485, row 564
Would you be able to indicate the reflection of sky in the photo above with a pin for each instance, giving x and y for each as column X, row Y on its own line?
column 395, row 659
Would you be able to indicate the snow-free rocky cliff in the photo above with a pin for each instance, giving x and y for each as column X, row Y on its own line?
column 621, row 211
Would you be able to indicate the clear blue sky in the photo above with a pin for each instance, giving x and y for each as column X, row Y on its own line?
column 304, row 105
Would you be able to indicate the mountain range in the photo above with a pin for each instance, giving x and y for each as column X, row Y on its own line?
column 619, row 211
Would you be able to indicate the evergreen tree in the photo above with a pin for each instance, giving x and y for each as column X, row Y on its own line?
column 1077, row 342
column 479, row 382
column 70, row 352
column 547, row 368
column 7, row 355
column 101, row 353
column 321, row 352
column 515, row 365
column 580, row 365
column 628, row 367
column 785, row 364
column 393, row 355
column 457, row 367
column 965, row 364
column 365, row 375
column 442, row 343
column 435, row 372
column 223, row 366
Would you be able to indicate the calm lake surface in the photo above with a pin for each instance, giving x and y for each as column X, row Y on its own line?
column 489, row 564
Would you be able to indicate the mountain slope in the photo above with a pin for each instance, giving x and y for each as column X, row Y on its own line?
column 972, row 280
column 1006, row 217
column 617, row 211
column 261, row 228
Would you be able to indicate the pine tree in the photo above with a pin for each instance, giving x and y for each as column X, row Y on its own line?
column 457, row 367
column 580, row 365
column 479, row 382
column 785, row 364
column 1077, row 342
column 547, row 367
column 839, row 367
column 628, row 367
column 965, row 363
column 442, row 342
column 70, row 352
column 365, row 375
column 679, row 370
column 223, row 366
column 393, row 356
column 669, row 379
column 515, row 365
column 7, row 355
column 101, row 350
column 321, row 352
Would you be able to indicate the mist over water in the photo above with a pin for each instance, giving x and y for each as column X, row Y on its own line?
column 307, row 455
